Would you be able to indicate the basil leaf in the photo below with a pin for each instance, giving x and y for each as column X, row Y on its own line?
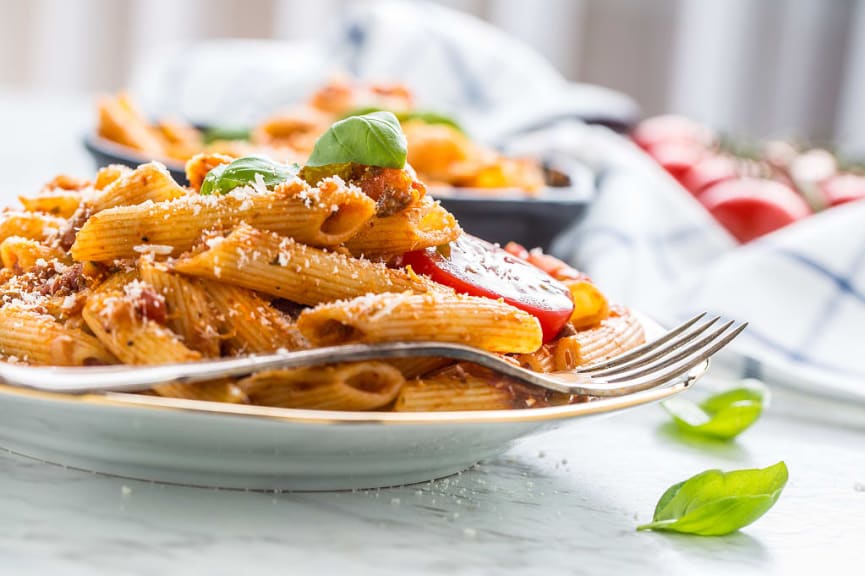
column 315, row 174
column 723, row 416
column 374, row 139
column 423, row 116
column 431, row 118
column 214, row 133
column 714, row 503
column 243, row 171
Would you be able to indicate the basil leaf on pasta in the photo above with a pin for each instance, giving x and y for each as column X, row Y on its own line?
column 245, row 172
column 722, row 416
column 374, row 139
column 714, row 503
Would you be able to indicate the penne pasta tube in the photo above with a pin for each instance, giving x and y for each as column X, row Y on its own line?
column 414, row 367
column 122, row 321
column 322, row 216
column 188, row 310
column 453, row 391
column 615, row 335
column 421, row 225
column 249, row 323
column 121, row 122
column 199, row 165
column 38, row 339
column 149, row 181
column 21, row 254
column 360, row 386
column 108, row 174
column 279, row 266
column 62, row 204
column 444, row 317
column 541, row 360
column 32, row 225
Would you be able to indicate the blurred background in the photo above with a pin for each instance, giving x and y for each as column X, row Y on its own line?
column 762, row 68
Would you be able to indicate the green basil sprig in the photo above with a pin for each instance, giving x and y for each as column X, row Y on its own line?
column 722, row 416
column 243, row 171
column 214, row 133
column 374, row 139
column 714, row 503
column 426, row 116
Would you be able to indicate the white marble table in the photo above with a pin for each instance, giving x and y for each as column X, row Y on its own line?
column 565, row 502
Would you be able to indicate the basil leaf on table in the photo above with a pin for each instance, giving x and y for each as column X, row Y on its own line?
column 214, row 133
column 243, row 172
column 374, row 139
column 714, row 503
column 722, row 416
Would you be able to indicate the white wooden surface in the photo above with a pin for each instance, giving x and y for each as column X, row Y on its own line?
column 563, row 503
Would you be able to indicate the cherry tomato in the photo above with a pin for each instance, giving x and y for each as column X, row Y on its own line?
column 677, row 158
column 843, row 188
column 751, row 207
column 670, row 128
column 553, row 266
column 472, row 266
column 709, row 171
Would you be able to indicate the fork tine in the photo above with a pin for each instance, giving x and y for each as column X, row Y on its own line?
column 645, row 348
column 671, row 358
column 687, row 338
column 620, row 387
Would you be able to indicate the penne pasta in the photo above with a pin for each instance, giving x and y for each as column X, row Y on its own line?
column 188, row 310
column 359, row 386
column 32, row 225
column 124, row 321
column 38, row 339
column 56, row 203
column 121, row 122
column 148, row 182
column 20, row 254
column 249, row 324
column 615, row 335
column 279, row 266
column 108, row 174
column 199, row 165
column 444, row 317
column 322, row 216
column 541, row 360
column 415, row 367
column 422, row 225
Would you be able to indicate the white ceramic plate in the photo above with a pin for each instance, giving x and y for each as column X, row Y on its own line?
column 255, row 447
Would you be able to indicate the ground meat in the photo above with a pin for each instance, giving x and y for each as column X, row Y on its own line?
column 69, row 281
column 289, row 308
column 151, row 305
column 67, row 236
column 392, row 189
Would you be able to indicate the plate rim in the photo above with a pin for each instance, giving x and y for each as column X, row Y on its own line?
column 334, row 417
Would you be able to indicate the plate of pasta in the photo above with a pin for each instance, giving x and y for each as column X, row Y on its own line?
column 531, row 199
column 256, row 256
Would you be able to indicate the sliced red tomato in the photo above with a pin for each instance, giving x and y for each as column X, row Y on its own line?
column 843, row 188
column 751, row 207
column 473, row 266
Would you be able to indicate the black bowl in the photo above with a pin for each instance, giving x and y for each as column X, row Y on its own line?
column 496, row 215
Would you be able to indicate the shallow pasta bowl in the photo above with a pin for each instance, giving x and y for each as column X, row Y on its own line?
column 258, row 447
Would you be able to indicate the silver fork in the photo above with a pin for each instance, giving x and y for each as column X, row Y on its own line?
column 668, row 357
